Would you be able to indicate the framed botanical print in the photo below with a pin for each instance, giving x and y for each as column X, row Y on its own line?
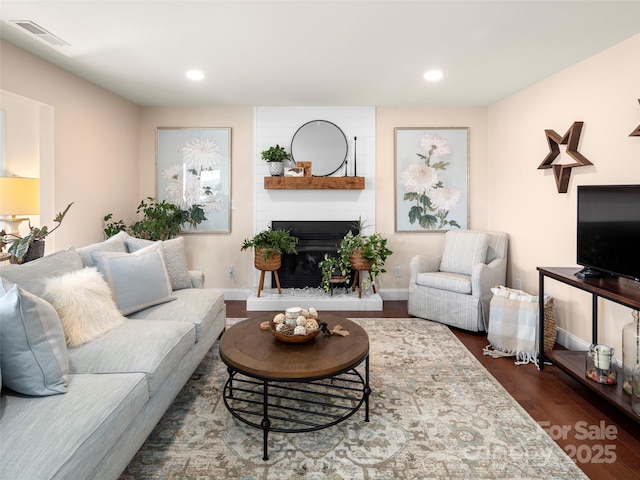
column 194, row 168
column 431, row 179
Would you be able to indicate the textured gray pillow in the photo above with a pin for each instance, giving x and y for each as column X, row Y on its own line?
column 32, row 276
column 175, row 257
column 137, row 280
column 33, row 351
column 462, row 250
column 111, row 244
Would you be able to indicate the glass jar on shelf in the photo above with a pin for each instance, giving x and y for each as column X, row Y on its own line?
column 635, row 387
column 599, row 365
column 630, row 351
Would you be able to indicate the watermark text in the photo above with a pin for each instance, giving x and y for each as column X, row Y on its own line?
column 590, row 440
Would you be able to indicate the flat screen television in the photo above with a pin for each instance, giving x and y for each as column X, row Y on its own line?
column 609, row 230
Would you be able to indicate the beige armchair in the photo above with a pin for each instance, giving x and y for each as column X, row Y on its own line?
column 454, row 288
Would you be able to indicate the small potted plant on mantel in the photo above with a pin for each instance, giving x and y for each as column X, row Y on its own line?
column 268, row 246
column 275, row 156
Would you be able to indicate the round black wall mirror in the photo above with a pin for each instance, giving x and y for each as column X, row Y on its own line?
column 323, row 144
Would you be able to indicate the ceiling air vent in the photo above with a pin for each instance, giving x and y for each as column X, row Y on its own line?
column 40, row 32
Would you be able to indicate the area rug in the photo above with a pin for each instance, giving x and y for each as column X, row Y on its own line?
column 435, row 413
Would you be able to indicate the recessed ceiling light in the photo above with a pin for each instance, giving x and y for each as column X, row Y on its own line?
column 195, row 75
column 433, row 75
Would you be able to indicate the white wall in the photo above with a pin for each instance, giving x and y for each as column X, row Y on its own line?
column 277, row 125
column 406, row 244
column 25, row 122
column 87, row 139
column 603, row 92
column 212, row 253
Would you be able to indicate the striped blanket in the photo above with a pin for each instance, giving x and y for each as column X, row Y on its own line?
column 513, row 325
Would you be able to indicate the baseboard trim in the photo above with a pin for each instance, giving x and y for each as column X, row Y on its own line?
column 570, row 341
column 394, row 293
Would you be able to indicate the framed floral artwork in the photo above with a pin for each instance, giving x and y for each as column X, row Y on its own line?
column 194, row 168
column 431, row 178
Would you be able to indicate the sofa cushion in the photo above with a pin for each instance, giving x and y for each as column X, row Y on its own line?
column 152, row 347
column 137, row 280
column 111, row 244
column 462, row 250
column 453, row 282
column 33, row 352
column 66, row 436
column 175, row 257
column 32, row 275
column 84, row 304
column 198, row 306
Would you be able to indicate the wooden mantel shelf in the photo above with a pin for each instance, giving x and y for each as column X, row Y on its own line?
column 314, row 183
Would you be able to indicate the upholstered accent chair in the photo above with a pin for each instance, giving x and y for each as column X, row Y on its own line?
column 454, row 287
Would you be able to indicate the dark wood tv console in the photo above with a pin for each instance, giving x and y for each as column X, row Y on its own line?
column 616, row 289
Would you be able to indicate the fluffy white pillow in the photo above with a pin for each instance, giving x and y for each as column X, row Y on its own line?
column 84, row 304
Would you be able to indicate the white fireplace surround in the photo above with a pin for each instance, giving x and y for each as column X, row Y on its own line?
column 277, row 125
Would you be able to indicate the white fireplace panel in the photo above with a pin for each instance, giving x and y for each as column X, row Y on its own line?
column 277, row 125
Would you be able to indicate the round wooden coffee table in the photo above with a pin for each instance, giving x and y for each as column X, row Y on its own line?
column 295, row 387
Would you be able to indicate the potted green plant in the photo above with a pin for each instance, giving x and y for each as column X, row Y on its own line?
column 365, row 252
column 269, row 245
column 275, row 156
column 160, row 220
column 334, row 270
column 31, row 246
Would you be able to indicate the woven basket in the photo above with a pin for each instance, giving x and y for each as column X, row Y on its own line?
column 271, row 263
column 357, row 262
column 550, row 329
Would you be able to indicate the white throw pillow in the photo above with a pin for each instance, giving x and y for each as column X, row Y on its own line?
column 137, row 280
column 84, row 304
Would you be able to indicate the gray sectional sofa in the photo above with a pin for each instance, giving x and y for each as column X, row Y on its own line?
column 119, row 384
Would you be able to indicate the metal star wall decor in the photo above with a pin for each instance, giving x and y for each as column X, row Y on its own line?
column 636, row 132
column 561, row 172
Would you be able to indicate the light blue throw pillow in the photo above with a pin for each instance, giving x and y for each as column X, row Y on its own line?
column 137, row 280
column 33, row 350
column 111, row 244
column 175, row 257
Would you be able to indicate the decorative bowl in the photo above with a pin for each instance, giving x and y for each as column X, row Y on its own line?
column 293, row 338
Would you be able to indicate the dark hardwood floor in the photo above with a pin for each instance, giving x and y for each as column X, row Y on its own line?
column 604, row 442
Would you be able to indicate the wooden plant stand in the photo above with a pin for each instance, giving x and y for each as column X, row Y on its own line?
column 357, row 280
column 261, row 284
column 359, row 265
column 270, row 264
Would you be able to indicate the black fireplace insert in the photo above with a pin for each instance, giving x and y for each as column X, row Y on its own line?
column 315, row 239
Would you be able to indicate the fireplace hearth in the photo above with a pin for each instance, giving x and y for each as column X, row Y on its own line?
column 315, row 239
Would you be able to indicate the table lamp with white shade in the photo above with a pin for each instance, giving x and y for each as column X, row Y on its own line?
column 18, row 196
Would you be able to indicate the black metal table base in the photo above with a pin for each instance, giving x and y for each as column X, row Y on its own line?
column 296, row 406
